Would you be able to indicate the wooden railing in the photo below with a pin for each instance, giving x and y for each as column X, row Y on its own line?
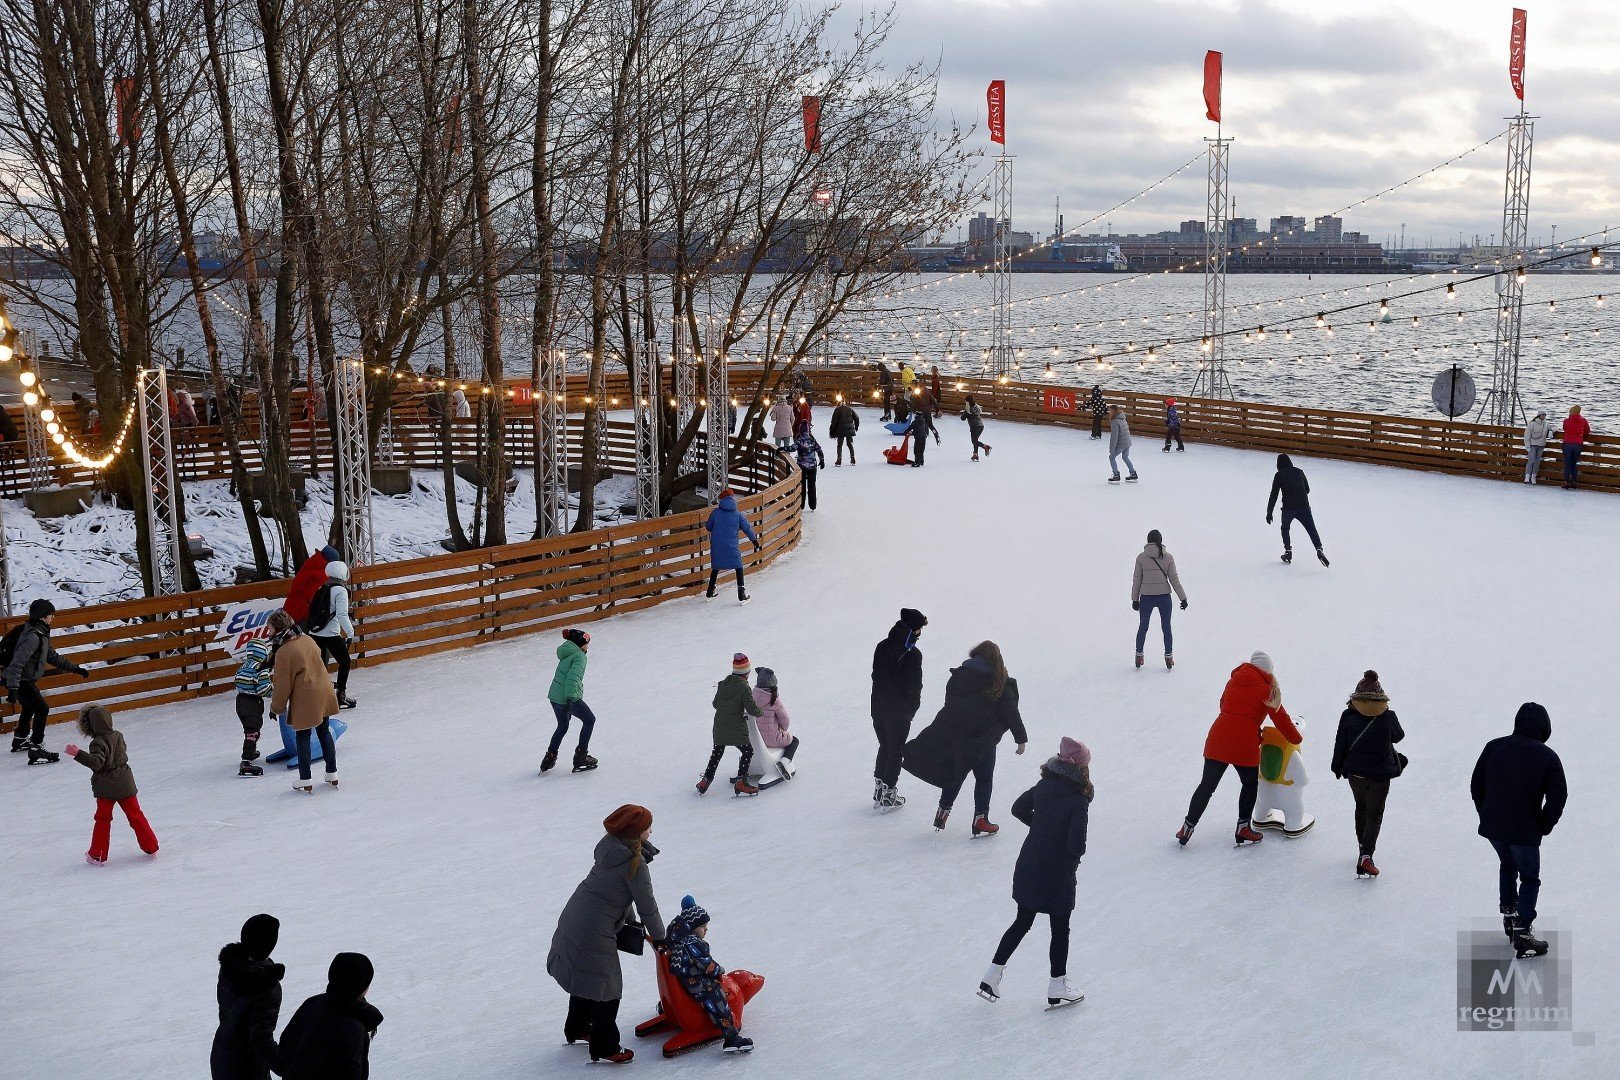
column 164, row 649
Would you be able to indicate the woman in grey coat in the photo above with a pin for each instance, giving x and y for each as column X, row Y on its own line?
column 1119, row 443
column 584, row 956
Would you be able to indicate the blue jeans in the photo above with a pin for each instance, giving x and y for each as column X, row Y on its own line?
column 1572, row 462
column 1150, row 604
column 587, row 723
column 1520, row 878
column 1122, row 452
column 984, row 775
column 328, row 749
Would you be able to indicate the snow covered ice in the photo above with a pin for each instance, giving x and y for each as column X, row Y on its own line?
column 447, row 859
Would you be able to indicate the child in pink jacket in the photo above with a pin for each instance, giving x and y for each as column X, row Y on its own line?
column 773, row 715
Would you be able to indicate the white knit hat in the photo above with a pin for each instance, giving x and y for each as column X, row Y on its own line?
column 1262, row 661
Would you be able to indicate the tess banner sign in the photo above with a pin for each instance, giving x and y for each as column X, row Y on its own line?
column 1516, row 53
column 1059, row 401
column 996, row 98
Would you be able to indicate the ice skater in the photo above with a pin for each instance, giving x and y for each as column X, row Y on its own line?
column 896, row 696
column 1119, row 444
column 1252, row 694
column 1364, row 753
column 1172, row 426
column 329, row 624
column 1056, row 811
column 695, row 969
column 733, row 704
column 27, row 653
column 1519, row 790
column 845, row 423
column 1155, row 575
column 1290, row 483
column 1099, row 411
column 922, row 426
column 1572, row 439
column 975, row 422
column 253, row 686
column 811, row 459
column 300, row 688
column 781, row 417
column 724, row 523
column 567, row 697
column 111, row 781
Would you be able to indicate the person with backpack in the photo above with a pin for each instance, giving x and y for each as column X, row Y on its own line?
column 329, row 624
column 253, row 686
column 1364, row 753
column 1154, row 577
column 26, row 653
column 567, row 696
column 842, row 428
column 811, row 458
column 975, row 422
column 310, row 577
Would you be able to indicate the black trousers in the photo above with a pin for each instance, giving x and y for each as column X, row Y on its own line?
column 891, row 736
column 1305, row 519
column 1248, row 775
column 807, row 489
column 1370, row 796
column 336, row 648
column 595, row 1021
column 250, row 711
column 1059, row 955
column 1173, row 433
column 843, row 441
column 919, row 448
column 747, row 759
column 984, row 778
column 714, row 576
column 974, row 431
column 1096, row 426
column 32, row 711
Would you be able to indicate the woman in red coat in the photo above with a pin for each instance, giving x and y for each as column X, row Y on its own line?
column 1251, row 696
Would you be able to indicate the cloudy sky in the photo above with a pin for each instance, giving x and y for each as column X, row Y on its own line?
column 1328, row 101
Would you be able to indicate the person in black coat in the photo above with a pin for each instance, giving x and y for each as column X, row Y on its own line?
column 1099, row 411
column 1364, row 751
column 922, row 425
column 249, row 994
column 981, row 705
column 1290, row 483
column 896, row 696
column 329, row 1037
column 885, row 387
column 1056, row 810
column 1519, row 790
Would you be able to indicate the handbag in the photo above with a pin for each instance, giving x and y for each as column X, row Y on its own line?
column 1400, row 758
column 631, row 938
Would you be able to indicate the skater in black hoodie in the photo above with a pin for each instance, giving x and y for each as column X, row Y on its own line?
column 30, row 653
column 1295, row 490
column 330, row 1034
column 896, row 696
column 249, row 995
column 1519, row 790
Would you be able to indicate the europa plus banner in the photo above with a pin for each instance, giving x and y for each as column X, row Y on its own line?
column 812, row 123
column 1516, row 53
column 997, row 100
column 1212, row 85
column 246, row 621
column 1059, row 401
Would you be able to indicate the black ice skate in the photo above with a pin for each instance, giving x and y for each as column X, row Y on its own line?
column 583, row 762
column 19, row 744
column 742, row 598
column 1288, row 555
column 1526, row 944
column 1133, row 478
column 1510, row 920
column 1184, row 833
column 247, row 768
column 346, row 702
column 548, row 762
column 38, row 755
column 735, row 1044
column 1321, row 557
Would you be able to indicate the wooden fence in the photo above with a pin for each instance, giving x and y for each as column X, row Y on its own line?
column 164, row 649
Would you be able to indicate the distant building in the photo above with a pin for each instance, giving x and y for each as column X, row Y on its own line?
column 1288, row 229
column 1329, row 229
column 1192, row 228
column 1240, row 231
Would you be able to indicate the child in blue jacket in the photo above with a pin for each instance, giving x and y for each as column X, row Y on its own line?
column 699, row 975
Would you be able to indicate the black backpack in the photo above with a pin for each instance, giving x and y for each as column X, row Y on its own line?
column 320, row 608
column 8, row 644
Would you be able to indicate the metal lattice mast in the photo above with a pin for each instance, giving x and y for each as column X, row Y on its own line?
column 598, row 401
column 353, row 462
column 644, row 399
column 385, row 439
column 5, row 567
column 1501, row 405
column 1212, row 380
column 686, row 394
column 715, row 436
column 1001, row 349
column 551, row 428
column 163, row 533
column 39, row 458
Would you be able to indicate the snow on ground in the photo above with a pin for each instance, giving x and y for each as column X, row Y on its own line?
column 90, row 558
column 447, row 859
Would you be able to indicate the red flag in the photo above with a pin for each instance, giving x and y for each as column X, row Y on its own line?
column 1212, row 85
column 1516, row 53
column 128, row 109
column 812, row 124
column 997, row 99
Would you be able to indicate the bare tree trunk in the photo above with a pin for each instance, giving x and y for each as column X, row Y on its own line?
column 492, row 414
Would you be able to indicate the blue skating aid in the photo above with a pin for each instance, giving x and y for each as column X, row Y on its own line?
column 289, row 747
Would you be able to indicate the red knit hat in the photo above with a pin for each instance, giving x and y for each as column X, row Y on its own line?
column 628, row 820
column 740, row 664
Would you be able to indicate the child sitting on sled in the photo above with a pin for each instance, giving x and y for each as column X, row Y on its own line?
column 699, row 975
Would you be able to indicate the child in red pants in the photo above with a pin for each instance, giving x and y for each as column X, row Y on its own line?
column 111, row 781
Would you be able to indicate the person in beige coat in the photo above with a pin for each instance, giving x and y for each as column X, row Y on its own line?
column 301, row 687
column 1154, row 578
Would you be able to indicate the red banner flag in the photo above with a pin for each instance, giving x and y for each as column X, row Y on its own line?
column 1059, row 401
column 1212, row 85
column 812, row 124
column 997, row 98
column 1516, row 53
column 128, row 109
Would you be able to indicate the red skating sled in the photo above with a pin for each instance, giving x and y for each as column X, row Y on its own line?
column 691, row 1024
column 896, row 455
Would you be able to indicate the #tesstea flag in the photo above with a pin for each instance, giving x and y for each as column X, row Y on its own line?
column 996, row 97
column 1212, row 85
column 812, row 123
column 1516, row 53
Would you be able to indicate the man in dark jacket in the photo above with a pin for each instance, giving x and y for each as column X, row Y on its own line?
column 845, row 423
column 922, row 425
column 896, row 697
column 249, row 994
column 1295, row 490
column 1519, row 790
column 886, row 388
column 1099, row 411
column 30, row 657
column 329, row 1037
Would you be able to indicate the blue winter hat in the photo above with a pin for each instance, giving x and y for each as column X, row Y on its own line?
column 691, row 914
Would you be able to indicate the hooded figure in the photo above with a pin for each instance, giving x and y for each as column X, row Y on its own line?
column 249, row 994
column 330, row 1034
column 724, row 523
column 1290, row 483
column 896, row 696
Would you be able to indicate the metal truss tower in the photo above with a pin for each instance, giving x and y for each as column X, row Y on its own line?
column 163, row 532
column 1501, row 405
column 353, row 461
column 1212, row 380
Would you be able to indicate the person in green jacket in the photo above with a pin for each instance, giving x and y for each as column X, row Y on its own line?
column 568, row 700
column 733, row 704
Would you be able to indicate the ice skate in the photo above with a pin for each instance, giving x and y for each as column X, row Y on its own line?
column 1133, row 478
column 1245, row 836
column 1114, row 479
column 877, row 792
column 19, row 744
column 1365, row 868
column 975, row 457
column 247, row 768
column 305, row 786
column 331, row 780
column 622, row 1057
column 891, row 800
column 38, row 755
column 1169, row 662
column 1321, row 557
column 1139, row 660
column 346, row 702
column 941, row 816
column 1288, row 555
column 734, row 1043
column 91, row 860
column 740, row 786
column 742, row 598
column 1526, row 944
column 987, row 449
column 990, row 985
column 1059, row 994
column 709, row 595
column 1184, row 833
column 703, row 784
column 983, row 827
column 548, row 762
column 583, row 762
column 1510, row 919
